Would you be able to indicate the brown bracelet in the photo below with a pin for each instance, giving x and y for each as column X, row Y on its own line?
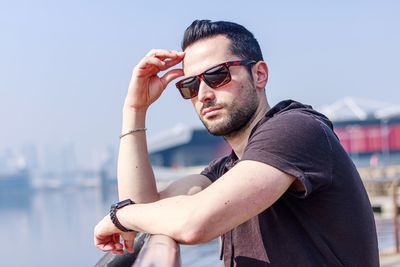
column 132, row 131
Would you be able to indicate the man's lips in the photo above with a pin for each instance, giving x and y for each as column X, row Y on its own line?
column 210, row 111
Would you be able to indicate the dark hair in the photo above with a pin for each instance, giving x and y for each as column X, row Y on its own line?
column 243, row 43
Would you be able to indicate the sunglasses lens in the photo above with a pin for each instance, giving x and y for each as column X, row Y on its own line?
column 189, row 88
column 217, row 76
column 214, row 77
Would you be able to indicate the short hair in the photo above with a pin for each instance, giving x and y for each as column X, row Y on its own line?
column 243, row 42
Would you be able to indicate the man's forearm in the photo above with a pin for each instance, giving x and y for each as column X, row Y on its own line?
column 135, row 175
column 172, row 217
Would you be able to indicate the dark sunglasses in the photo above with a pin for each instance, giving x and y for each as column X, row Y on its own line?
column 214, row 77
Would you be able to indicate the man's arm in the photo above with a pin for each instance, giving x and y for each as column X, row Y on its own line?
column 136, row 179
column 188, row 185
column 243, row 192
column 135, row 175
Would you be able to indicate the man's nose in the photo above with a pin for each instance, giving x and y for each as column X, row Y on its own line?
column 206, row 93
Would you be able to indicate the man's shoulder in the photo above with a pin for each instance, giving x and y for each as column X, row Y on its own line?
column 293, row 108
column 289, row 117
column 290, row 122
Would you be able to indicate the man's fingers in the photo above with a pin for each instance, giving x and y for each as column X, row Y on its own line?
column 116, row 248
column 161, row 59
column 107, row 246
column 119, row 246
column 148, row 63
column 164, row 53
column 118, row 251
column 160, row 53
column 129, row 239
column 169, row 62
column 129, row 245
column 171, row 75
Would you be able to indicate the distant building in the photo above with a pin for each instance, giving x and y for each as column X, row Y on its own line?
column 368, row 130
column 184, row 146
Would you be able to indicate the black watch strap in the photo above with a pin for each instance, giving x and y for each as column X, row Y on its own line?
column 113, row 214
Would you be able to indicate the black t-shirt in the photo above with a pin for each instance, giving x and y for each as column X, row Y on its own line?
column 329, row 224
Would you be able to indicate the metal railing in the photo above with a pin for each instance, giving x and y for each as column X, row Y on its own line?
column 150, row 251
column 159, row 251
column 396, row 215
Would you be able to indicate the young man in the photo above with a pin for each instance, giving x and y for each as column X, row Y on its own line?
column 287, row 195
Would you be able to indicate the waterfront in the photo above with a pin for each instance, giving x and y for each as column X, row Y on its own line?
column 50, row 228
column 54, row 228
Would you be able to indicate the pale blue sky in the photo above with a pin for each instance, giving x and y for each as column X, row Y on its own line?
column 65, row 65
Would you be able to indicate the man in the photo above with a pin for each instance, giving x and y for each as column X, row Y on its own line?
column 287, row 195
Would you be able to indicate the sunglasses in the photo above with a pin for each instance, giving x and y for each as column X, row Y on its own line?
column 214, row 77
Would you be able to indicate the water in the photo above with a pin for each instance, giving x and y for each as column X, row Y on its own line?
column 55, row 228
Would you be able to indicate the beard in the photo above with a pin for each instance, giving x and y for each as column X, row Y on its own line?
column 240, row 114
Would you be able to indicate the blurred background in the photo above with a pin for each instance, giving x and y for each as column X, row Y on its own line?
column 64, row 71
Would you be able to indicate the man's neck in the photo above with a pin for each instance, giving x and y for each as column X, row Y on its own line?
column 238, row 141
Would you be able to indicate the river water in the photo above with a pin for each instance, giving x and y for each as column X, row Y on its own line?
column 55, row 228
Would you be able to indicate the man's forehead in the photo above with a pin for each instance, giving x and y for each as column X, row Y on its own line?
column 205, row 54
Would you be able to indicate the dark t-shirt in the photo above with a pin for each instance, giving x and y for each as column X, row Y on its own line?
column 329, row 224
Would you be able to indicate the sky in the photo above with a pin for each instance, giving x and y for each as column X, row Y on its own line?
column 65, row 65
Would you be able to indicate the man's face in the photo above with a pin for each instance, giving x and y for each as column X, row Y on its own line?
column 227, row 109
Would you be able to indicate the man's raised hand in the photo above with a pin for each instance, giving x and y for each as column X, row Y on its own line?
column 146, row 86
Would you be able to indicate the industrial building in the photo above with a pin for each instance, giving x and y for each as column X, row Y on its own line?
column 368, row 130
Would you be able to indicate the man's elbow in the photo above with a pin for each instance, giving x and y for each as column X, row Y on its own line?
column 193, row 225
column 193, row 232
column 190, row 237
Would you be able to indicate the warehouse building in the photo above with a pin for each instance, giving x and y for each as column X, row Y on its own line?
column 368, row 130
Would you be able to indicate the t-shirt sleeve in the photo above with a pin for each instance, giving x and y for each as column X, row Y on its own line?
column 215, row 169
column 297, row 144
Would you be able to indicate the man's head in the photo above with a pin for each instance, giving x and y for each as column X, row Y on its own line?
column 229, row 106
column 243, row 43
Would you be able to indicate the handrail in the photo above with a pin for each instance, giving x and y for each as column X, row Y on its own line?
column 150, row 251
column 159, row 251
column 125, row 260
column 395, row 186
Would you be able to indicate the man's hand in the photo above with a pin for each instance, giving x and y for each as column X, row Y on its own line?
column 107, row 237
column 146, row 86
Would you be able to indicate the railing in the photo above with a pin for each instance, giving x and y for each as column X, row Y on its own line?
column 150, row 251
column 382, row 184
column 159, row 251
column 396, row 215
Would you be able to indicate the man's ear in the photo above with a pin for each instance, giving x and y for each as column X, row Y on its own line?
column 260, row 74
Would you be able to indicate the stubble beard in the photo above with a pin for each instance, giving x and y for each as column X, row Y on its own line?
column 241, row 113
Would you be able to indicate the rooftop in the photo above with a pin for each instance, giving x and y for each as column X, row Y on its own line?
column 351, row 108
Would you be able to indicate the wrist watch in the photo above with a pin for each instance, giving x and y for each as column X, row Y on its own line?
column 113, row 214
